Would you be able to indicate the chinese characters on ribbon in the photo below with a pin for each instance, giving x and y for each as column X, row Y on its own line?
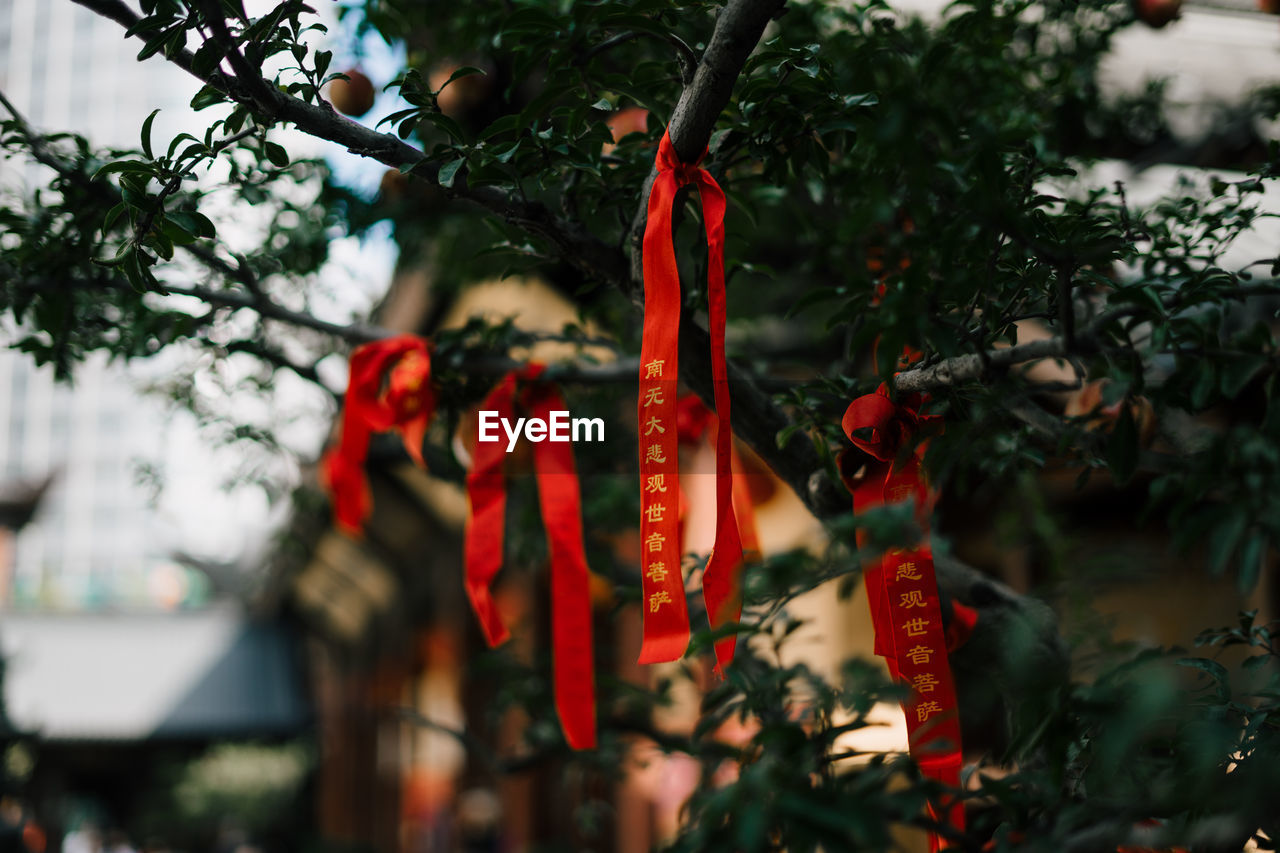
column 903, row 591
column 666, row 622
column 666, row 617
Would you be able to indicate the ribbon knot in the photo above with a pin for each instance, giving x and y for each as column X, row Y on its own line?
column 668, row 161
column 406, row 404
column 880, row 427
column 408, row 387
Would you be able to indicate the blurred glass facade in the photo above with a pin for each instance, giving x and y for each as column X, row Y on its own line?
column 95, row 538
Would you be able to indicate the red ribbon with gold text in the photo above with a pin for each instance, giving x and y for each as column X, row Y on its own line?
column 406, row 404
column 666, row 617
column 559, row 496
column 903, row 591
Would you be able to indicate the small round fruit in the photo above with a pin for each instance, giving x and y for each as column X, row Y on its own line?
column 353, row 96
column 393, row 185
column 1157, row 13
column 624, row 121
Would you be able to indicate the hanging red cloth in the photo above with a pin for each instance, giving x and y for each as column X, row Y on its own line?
column 903, row 590
column 389, row 388
column 666, row 617
column 693, row 421
column 560, row 500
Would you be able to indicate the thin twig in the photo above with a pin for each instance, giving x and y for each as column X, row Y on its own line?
column 171, row 186
column 685, row 55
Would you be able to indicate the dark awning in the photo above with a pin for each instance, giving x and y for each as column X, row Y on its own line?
column 114, row 676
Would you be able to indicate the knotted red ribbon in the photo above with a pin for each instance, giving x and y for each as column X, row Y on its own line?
column 559, row 496
column 406, row 404
column 666, row 617
column 903, row 590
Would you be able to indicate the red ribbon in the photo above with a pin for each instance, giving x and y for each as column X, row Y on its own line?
column 666, row 617
column 559, row 496
column 903, row 590
column 405, row 404
column 693, row 421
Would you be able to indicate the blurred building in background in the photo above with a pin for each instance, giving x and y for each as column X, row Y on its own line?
column 96, row 538
column 119, row 707
column 105, row 533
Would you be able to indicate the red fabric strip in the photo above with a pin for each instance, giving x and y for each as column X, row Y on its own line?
column 406, row 404
column 693, row 421
column 559, row 495
column 561, row 504
column 666, row 614
column 486, row 524
column 666, row 621
column 903, row 591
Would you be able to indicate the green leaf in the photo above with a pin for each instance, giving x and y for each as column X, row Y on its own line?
column 133, row 271
column 163, row 245
column 112, row 215
column 1215, row 670
column 193, row 222
column 207, row 57
column 118, row 259
column 397, row 116
column 120, row 166
column 145, row 25
column 531, row 20
column 154, row 45
column 505, row 124
column 323, row 58
column 146, row 134
column 179, row 139
column 464, row 71
column 449, row 172
column 446, row 124
column 207, row 97
column 174, row 232
column 276, row 154
column 1236, row 373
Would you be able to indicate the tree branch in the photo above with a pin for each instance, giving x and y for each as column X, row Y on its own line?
column 246, row 74
column 171, row 186
column 581, row 248
column 279, row 360
column 973, row 367
column 737, row 31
